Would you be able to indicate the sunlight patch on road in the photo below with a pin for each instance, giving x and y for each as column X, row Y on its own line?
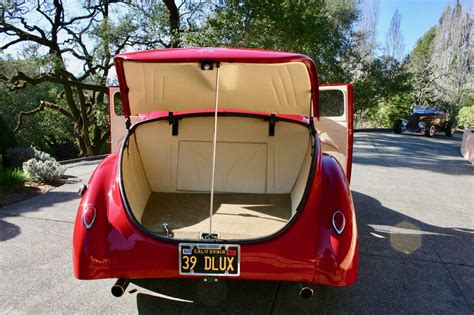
column 404, row 237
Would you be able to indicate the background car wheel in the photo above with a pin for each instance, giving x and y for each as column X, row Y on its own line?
column 397, row 126
column 431, row 131
column 450, row 128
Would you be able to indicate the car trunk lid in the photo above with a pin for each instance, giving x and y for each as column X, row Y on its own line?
column 184, row 79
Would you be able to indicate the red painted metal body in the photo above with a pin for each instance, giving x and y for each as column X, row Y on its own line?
column 309, row 250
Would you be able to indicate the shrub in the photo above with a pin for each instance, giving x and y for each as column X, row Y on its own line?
column 385, row 114
column 48, row 171
column 465, row 116
column 19, row 155
column 40, row 166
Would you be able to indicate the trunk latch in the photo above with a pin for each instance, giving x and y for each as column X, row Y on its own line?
column 271, row 125
column 173, row 121
column 211, row 236
column 167, row 229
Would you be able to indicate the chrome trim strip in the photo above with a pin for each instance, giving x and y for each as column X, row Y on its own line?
column 338, row 230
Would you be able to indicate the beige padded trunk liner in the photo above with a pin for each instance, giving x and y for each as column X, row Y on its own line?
column 236, row 216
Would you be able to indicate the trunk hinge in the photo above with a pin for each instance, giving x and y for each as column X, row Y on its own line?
column 271, row 125
column 128, row 124
column 311, row 126
column 173, row 121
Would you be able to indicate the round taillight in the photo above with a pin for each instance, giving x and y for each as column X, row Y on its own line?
column 338, row 222
column 88, row 216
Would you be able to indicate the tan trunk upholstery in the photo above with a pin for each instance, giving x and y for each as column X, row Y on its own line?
column 263, row 87
column 134, row 179
column 248, row 161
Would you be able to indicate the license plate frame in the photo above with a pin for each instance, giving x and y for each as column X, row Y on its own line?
column 210, row 250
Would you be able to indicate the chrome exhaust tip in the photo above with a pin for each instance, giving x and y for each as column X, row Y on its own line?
column 306, row 292
column 118, row 289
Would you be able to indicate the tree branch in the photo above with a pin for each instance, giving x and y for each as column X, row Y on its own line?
column 40, row 108
column 23, row 35
column 20, row 81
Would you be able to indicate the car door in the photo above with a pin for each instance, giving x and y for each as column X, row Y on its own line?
column 335, row 126
column 118, row 129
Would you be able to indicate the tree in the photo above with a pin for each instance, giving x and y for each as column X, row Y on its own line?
column 61, row 36
column 47, row 130
column 441, row 62
column 395, row 46
column 73, row 46
column 453, row 54
column 380, row 81
column 419, row 64
column 367, row 28
column 318, row 29
column 168, row 23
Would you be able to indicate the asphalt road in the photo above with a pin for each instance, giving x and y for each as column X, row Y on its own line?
column 415, row 212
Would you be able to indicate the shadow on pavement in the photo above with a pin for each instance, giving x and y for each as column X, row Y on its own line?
column 32, row 205
column 440, row 154
column 207, row 298
column 8, row 230
column 401, row 268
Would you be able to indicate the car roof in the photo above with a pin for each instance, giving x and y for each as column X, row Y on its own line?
column 426, row 110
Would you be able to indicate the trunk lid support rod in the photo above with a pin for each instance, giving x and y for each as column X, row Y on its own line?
column 214, row 144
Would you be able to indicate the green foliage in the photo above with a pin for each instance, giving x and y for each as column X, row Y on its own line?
column 420, row 66
column 424, row 47
column 382, row 80
column 7, row 138
column 385, row 114
column 48, row 130
column 465, row 117
column 12, row 177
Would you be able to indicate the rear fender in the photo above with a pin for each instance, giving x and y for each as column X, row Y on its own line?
column 90, row 257
column 336, row 254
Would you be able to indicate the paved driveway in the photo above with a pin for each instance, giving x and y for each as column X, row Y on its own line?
column 415, row 211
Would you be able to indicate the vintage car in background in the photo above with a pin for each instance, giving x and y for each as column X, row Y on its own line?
column 225, row 164
column 426, row 120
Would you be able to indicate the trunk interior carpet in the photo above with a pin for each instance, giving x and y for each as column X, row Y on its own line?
column 236, row 216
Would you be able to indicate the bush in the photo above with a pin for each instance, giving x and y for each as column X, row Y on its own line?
column 17, row 156
column 12, row 177
column 384, row 115
column 40, row 166
column 465, row 116
column 48, row 171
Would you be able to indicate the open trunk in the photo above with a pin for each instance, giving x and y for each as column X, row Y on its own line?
column 259, row 179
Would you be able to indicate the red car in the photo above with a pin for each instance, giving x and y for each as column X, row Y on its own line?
column 229, row 163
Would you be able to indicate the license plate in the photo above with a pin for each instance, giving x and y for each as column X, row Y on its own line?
column 209, row 259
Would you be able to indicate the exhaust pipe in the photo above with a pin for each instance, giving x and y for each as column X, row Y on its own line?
column 120, row 286
column 306, row 291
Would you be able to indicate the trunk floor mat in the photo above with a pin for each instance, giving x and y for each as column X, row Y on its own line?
column 236, row 216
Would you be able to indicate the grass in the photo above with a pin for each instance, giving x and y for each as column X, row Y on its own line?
column 11, row 178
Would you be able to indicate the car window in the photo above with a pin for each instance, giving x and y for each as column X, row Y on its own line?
column 118, row 108
column 331, row 103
